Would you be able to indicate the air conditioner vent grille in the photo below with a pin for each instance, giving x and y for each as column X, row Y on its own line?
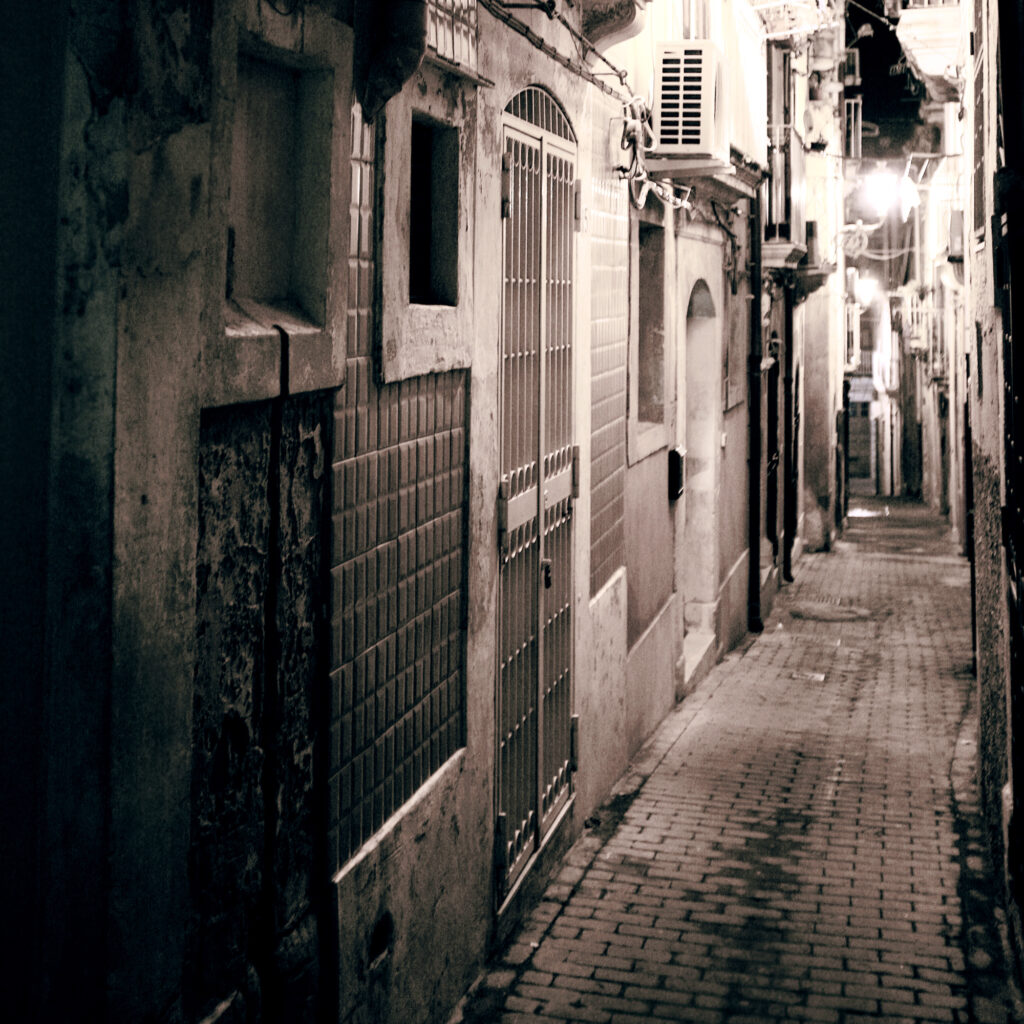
column 682, row 96
column 687, row 100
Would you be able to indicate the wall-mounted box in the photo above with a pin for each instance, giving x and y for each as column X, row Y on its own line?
column 676, row 473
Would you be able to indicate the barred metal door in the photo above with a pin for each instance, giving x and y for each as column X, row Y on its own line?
column 538, row 478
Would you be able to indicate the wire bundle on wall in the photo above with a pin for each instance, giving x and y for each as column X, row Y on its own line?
column 638, row 139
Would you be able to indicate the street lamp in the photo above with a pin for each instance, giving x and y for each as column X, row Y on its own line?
column 864, row 290
column 883, row 190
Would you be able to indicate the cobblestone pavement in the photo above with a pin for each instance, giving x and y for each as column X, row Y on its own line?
column 800, row 840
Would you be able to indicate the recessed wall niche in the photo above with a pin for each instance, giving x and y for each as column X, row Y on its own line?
column 280, row 187
column 434, row 214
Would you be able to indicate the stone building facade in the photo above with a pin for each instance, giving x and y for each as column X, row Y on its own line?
column 393, row 442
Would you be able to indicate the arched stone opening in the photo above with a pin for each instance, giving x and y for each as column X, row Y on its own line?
column 703, row 434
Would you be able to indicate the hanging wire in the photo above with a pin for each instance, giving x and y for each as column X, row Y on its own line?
column 585, row 47
column 872, row 14
column 497, row 9
column 638, row 139
column 885, row 254
column 731, row 264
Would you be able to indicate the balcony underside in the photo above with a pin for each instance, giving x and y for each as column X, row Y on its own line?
column 726, row 180
column 782, row 254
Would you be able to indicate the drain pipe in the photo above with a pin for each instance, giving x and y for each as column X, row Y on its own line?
column 754, row 621
column 789, row 490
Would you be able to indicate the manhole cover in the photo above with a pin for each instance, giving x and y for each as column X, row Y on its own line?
column 821, row 611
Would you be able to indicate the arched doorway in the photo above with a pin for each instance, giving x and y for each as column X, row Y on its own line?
column 703, row 433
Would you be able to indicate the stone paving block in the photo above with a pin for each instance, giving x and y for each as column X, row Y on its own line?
column 792, row 849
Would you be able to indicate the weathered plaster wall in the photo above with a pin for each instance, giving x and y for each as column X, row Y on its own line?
column 992, row 636
column 992, row 655
column 650, row 542
column 699, row 426
column 735, row 485
column 65, row 332
column 192, row 628
column 256, row 829
column 987, row 399
column 818, row 424
column 650, row 675
column 145, row 145
column 136, row 159
column 228, row 812
column 31, row 470
column 601, row 696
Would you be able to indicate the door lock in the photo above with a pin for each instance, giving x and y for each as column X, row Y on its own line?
column 545, row 571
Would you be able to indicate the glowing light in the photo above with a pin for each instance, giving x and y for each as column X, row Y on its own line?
column 882, row 191
column 885, row 191
column 865, row 290
column 910, row 198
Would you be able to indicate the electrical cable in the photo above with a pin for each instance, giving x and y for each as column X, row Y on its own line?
column 585, row 46
column 872, row 14
column 497, row 10
column 637, row 139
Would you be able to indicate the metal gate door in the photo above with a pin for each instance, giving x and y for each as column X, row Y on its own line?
column 538, row 480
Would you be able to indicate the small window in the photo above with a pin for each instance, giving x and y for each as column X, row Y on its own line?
column 434, row 214
column 651, row 325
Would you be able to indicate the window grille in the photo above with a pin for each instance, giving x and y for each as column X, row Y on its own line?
column 538, row 466
column 451, row 30
column 538, row 108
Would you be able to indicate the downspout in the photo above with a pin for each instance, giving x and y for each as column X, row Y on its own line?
column 754, row 621
column 789, row 482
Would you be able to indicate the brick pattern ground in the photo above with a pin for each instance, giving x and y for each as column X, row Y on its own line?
column 800, row 840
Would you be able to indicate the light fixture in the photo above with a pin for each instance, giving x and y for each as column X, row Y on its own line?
column 884, row 191
column 864, row 290
column 881, row 189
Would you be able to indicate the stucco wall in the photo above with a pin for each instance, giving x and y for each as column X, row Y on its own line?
column 650, row 542
column 146, row 152
column 699, row 426
column 818, row 424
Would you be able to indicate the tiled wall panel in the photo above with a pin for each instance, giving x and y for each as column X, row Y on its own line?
column 451, row 30
column 398, row 564
column 609, row 337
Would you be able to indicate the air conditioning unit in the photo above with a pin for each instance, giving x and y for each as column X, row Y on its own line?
column 689, row 102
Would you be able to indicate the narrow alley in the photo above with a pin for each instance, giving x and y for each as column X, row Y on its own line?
column 801, row 839
column 514, row 509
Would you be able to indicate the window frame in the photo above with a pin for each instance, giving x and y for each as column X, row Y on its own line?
column 645, row 437
column 416, row 338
